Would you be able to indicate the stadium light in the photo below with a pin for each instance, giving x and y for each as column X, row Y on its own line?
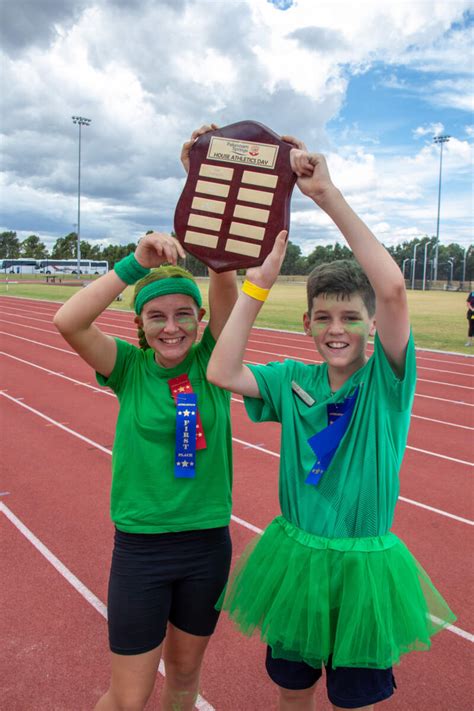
column 413, row 266
column 407, row 259
column 441, row 140
column 451, row 261
column 425, row 264
column 81, row 121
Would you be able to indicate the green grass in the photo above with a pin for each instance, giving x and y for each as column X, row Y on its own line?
column 438, row 317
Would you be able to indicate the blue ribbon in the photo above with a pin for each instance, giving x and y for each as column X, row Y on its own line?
column 325, row 443
column 185, row 453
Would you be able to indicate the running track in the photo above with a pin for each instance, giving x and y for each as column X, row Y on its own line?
column 57, row 537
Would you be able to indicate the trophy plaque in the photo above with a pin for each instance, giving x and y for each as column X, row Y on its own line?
column 237, row 196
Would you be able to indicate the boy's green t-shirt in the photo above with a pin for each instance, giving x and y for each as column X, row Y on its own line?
column 356, row 496
column 146, row 497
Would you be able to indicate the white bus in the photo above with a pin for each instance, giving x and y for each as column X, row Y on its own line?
column 69, row 266
column 19, row 266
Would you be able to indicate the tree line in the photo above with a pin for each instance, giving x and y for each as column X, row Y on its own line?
column 452, row 258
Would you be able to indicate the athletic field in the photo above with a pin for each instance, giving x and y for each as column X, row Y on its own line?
column 438, row 317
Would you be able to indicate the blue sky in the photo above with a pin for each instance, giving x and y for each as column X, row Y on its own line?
column 369, row 86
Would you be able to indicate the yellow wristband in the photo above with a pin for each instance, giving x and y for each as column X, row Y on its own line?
column 256, row 292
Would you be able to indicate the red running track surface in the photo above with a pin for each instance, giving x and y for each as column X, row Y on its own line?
column 56, row 534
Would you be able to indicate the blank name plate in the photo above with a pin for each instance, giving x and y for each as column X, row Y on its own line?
column 237, row 196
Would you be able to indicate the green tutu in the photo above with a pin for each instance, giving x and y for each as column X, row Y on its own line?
column 365, row 601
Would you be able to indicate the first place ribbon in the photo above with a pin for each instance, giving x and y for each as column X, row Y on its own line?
column 186, row 419
column 325, row 443
column 180, row 386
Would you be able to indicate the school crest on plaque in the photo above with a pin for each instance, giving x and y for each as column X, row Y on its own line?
column 237, row 196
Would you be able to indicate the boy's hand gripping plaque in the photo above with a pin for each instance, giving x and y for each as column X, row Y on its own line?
column 237, row 196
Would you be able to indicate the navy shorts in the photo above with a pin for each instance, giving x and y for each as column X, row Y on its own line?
column 347, row 687
column 156, row 577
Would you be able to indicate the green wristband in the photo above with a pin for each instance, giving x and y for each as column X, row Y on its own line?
column 130, row 270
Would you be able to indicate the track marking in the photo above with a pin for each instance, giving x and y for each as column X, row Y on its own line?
column 440, row 456
column 442, row 422
column 99, row 606
column 418, row 417
column 431, row 397
column 239, row 441
column 98, row 320
column 272, row 353
column 442, row 399
column 259, row 330
column 253, row 446
column 77, row 584
column 57, row 424
column 38, row 343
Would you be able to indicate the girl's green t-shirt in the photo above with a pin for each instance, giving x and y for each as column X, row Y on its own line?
column 356, row 496
column 146, row 497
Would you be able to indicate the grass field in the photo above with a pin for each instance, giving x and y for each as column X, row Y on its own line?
column 438, row 317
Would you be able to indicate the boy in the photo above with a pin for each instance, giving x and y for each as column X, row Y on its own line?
column 328, row 583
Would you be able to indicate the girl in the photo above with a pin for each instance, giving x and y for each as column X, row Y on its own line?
column 171, row 469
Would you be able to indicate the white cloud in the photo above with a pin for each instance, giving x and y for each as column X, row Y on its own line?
column 433, row 129
column 147, row 73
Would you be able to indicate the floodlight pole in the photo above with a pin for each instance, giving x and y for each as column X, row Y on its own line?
column 407, row 259
column 414, row 267
column 424, row 265
column 451, row 264
column 81, row 121
column 441, row 140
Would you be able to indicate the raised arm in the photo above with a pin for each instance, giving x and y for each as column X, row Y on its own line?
column 75, row 319
column 226, row 368
column 222, row 297
column 222, row 287
column 392, row 318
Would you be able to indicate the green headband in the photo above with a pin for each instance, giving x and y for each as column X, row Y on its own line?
column 162, row 287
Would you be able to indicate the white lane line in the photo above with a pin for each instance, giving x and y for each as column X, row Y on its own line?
column 311, row 361
column 87, row 594
column 442, row 399
column 63, row 350
column 435, row 510
column 53, row 330
column 277, row 355
column 442, row 422
column 259, row 330
column 440, row 456
column 454, row 628
column 418, row 417
column 38, row 343
column 239, row 441
column 57, row 424
column 77, row 584
column 96, row 388
column 300, row 348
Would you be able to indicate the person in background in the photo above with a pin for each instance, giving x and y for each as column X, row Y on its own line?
column 470, row 318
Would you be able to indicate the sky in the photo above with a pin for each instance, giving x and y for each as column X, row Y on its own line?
column 368, row 84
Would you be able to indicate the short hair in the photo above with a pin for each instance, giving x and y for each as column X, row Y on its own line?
column 342, row 278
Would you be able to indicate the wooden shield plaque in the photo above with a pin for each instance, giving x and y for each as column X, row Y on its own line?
column 237, row 196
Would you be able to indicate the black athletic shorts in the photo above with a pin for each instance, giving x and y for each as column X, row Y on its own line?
column 347, row 687
column 156, row 577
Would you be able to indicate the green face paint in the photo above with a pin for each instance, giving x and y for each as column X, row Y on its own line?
column 188, row 323
column 360, row 328
column 318, row 327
